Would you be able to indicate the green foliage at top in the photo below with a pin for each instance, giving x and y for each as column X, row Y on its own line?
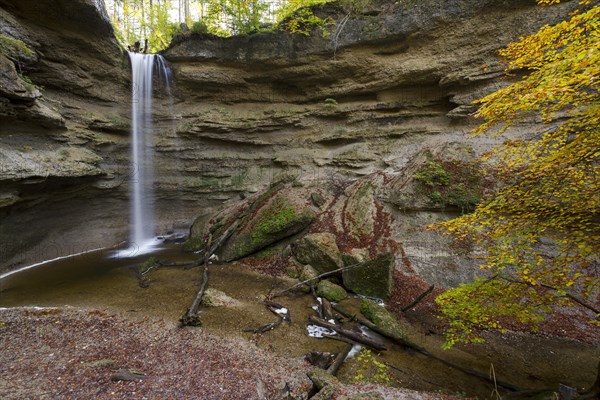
column 297, row 16
column 137, row 20
column 239, row 16
column 540, row 230
column 200, row 27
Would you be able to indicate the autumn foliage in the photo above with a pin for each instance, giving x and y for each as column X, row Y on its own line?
column 541, row 228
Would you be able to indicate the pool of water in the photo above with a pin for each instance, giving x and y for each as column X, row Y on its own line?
column 99, row 280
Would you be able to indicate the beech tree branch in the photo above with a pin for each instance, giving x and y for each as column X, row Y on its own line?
column 568, row 295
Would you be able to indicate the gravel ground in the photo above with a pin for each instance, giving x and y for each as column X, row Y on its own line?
column 72, row 354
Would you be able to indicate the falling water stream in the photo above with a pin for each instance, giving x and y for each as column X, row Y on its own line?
column 142, row 236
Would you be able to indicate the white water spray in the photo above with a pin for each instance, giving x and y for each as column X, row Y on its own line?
column 142, row 235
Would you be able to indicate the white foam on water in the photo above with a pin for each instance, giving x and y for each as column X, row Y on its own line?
column 134, row 250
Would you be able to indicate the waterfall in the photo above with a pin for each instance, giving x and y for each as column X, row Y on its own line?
column 142, row 235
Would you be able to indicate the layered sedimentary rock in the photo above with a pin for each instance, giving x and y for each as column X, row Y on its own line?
column 393, row 82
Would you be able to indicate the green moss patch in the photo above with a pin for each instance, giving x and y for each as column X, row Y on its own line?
column 14, row 48
column 331, row 291
column 451, row 183
column 383, row 319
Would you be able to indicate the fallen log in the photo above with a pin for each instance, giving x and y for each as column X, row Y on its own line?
column 362, row 320
column 191, row 318
column 357, row 337
column 275, row 308
column 264, row 328
column 327, row 309
column 339, row 359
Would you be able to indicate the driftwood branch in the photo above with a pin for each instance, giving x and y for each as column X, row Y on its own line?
column 419, row 298
column 265, row 328
column 323, row 275
column 357, row 337
column 327, row 309
column 339, row 359
column 191, row 318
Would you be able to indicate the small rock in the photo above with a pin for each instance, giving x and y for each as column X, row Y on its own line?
column 105, row 362
column 324, row 394
column 356, row 256
column 317, row 199
column 322, row 378
column 308, row 272
column 293, row 269
column 127, row 375
column 216, row 298
column 320, row 359
column 331, row 291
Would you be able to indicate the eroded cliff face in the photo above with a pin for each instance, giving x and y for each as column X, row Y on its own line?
column 386, row 91
column 63, row 112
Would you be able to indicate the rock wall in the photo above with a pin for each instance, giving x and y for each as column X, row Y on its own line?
column 386, row 93
column 63, row 129
column 394, row 81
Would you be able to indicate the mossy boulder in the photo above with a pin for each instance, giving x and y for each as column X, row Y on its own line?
column 448, row 177
column 319, row 250
column 383, row 319
column 372, row 278
column 331, row 291
column 279, row 218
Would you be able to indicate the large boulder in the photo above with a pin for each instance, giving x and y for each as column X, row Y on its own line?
column 319, row 250
column 267, row 222
column 372, row 278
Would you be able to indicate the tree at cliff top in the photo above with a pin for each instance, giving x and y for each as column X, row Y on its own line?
column 541, row 228
column 136, row 20
column 160, row 20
